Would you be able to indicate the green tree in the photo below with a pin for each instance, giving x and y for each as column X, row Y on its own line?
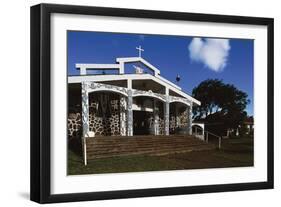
column 220, row 103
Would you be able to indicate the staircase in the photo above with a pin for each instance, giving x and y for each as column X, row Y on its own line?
column 102, row 147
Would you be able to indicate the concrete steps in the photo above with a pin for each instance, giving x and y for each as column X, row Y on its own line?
column 102, row 147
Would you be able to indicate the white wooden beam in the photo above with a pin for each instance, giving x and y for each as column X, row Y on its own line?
column 97, row 66
column 139, row 59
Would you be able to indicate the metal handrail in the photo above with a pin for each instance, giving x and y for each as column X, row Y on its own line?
column 207, row 135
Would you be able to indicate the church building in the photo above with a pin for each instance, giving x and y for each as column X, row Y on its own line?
column 126, row 98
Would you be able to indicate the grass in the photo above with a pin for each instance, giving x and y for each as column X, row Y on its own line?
column 235, row 152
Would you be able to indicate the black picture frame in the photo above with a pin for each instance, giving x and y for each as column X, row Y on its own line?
column 41, row 96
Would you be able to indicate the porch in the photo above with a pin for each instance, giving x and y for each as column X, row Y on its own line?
column 161, row 106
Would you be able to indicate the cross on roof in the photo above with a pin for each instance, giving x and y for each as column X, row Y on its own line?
column 140, row 50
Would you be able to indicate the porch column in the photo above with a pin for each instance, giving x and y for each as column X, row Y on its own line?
column 85, row 118
column 167, row 112
column 156, row 118
column 123, row 106
column 85, row 108
column 130, row 114
column 190, row 119
column 167, row 115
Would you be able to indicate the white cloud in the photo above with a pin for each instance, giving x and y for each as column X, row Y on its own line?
column 213, row 53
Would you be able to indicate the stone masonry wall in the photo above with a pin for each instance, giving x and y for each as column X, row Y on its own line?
column 104, row 116
column 179, row 121
column 74, row 124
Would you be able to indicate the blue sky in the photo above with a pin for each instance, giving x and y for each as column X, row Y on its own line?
column 194, row 59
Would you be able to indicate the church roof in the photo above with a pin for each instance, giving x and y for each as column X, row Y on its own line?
column 120, row 66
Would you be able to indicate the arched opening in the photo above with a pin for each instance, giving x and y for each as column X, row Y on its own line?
column 105, row 113
column 148, row 116
column 179, row 118
column 198, row 131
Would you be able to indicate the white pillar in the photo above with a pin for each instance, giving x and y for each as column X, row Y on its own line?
column 122, row 68
column 85, row 118
column 85, row 108
column 83, row 71
column 123, row 108
column 190, row 119
column 156, row 117
column 167, row 113
column 130, row 114
column 167, row 116
column 203, row 131
column 130, row 108
column 129, row 84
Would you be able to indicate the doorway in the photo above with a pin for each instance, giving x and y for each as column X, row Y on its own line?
column 142, row 122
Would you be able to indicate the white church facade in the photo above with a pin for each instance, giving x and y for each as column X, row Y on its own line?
column 126, row 98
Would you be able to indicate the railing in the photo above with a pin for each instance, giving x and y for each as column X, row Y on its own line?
column 206, row 134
